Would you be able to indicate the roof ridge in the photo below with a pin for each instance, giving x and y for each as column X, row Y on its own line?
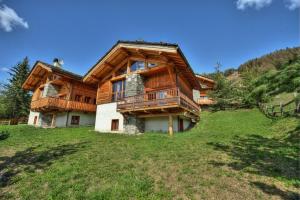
column 62, row 70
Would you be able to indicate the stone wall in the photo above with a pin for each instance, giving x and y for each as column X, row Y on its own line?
column 50, row 90
column 134, row 86
column 133, row 124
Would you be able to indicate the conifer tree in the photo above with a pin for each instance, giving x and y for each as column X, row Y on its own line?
column 17, row 100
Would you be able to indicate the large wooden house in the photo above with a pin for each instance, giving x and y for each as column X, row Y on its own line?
column 59, row 98
column 144, row 87
column 139, row 87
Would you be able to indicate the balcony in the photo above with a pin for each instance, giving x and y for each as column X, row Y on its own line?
column 169, row 100
column 53, row 103
column 204, row 100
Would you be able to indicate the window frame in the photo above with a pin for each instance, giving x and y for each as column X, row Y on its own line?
column 75, row 121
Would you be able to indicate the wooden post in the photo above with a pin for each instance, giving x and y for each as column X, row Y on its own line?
column 128, row 66
column 53, row 120
column 170, row 125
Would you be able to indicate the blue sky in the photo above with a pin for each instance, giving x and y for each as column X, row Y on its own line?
column 80, row 32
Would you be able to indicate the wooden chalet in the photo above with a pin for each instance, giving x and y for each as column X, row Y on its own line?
column 206, row 86
column 142, row 87
column 59, row 98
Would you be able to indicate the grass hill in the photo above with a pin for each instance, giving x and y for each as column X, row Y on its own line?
column 228, row 155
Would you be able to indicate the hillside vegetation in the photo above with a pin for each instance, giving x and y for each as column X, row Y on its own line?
column 270, row 79
column 228, row 155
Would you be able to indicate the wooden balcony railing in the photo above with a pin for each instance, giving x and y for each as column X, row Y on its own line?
column 204, row 100
column 158, row 99
column 63, row 104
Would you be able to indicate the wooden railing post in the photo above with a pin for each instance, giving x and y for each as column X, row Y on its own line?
column 170, row 125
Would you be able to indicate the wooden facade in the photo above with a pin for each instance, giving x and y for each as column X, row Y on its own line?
column 69, row 93
column 168, row 80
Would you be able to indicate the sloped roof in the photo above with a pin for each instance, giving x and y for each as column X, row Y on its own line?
column 62, row 71
column 40, row 69
column 182, row 64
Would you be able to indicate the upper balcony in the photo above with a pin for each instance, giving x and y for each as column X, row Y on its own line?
column 160, row 101
column 53, row 103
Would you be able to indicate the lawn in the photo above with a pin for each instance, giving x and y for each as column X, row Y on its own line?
column 228, row 155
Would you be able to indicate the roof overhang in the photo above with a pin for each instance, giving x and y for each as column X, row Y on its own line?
column 202, row 78
column 158, row 52
column 37, row 73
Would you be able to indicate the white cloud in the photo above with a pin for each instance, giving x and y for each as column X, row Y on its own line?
column 9, row 19
column 258, row 4
column 292, row 4
column 4, row 69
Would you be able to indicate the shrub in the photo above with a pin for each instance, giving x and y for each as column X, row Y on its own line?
column 4, row 135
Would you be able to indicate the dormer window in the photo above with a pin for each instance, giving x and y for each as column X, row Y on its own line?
column 137, row 65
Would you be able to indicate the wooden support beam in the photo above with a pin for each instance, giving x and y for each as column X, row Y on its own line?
column 128, row 66
column 95, row 77
column 141, row 53
column 123, row 50
column 109, row 65
column 114, row 70
column 170, row 125
column 171, row 73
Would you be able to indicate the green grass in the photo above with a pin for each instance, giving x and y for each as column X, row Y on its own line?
column 228, row 155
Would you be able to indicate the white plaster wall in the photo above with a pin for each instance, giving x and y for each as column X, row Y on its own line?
column 32, row 114
column 186, row 123
column 161, row 124
column 86, row 119
column 61, row 119
column 104, row 114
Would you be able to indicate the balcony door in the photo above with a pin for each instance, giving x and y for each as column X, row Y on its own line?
column 118, row 88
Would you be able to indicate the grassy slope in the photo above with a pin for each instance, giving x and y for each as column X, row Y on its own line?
column 229, row 155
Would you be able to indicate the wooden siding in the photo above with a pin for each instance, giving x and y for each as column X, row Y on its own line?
column 158, row 81
column 64, row 100
column 185, row 87
column 55, row 104
column 104, row 92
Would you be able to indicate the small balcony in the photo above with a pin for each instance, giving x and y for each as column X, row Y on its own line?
column 53, row 103
column 168, row 100
column 205, row 100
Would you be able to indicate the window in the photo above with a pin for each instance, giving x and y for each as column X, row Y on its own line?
column 87, row 99
column 75, row 120
column 137, row 65
column 115, row 125
column 35, row 120
column 152, row 65
column 94, row 101
column 118, row 90
column 77, row 97
column 162, row 95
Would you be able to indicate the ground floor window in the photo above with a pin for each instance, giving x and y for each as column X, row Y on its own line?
column 75, row 120
column 115, row 125
column 35, row 120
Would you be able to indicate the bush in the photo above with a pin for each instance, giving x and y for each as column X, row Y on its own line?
column 4, row 135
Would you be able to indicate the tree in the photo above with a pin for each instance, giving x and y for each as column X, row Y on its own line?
column 16, row 99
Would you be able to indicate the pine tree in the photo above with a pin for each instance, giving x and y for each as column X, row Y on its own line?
column 17, row 100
